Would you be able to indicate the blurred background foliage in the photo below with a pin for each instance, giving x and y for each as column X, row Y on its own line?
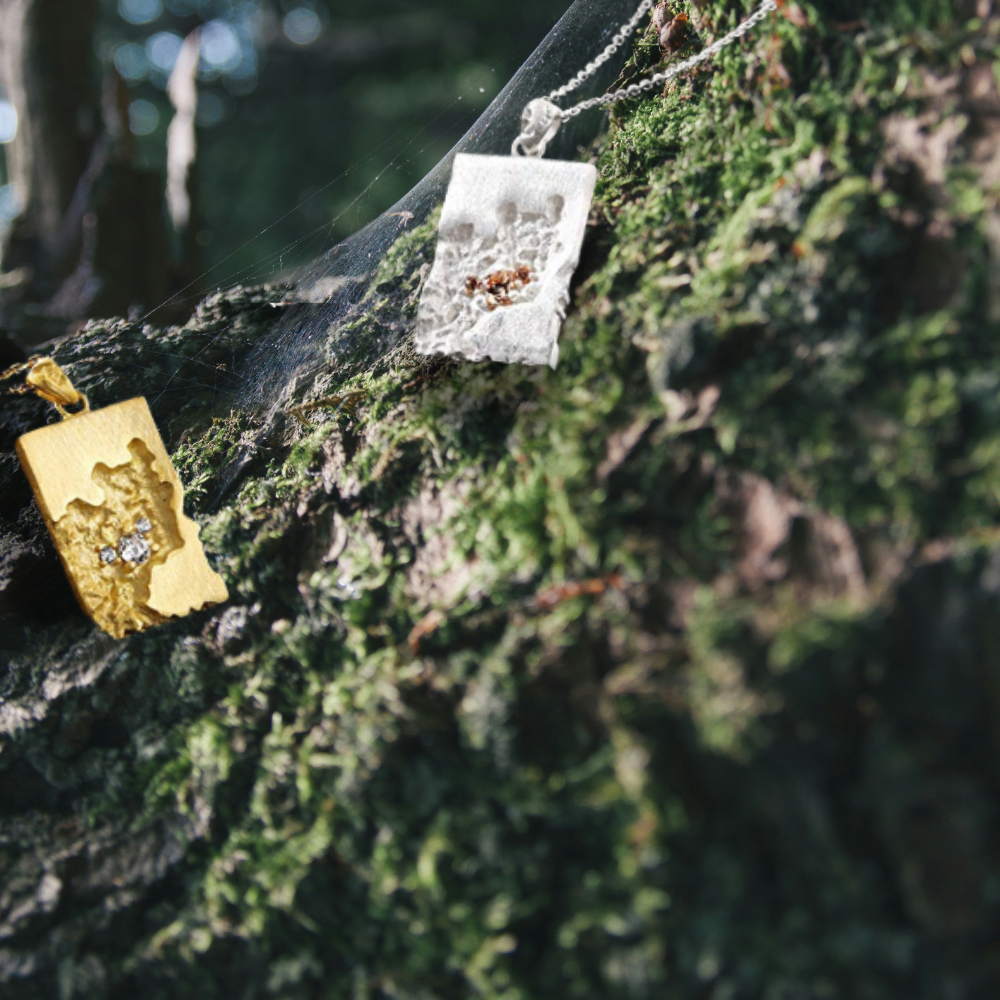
column 314, row 115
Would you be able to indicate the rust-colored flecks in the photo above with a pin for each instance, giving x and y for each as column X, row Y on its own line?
column 497, row 286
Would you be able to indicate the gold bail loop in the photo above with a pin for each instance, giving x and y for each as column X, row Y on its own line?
column 46, row 379
column 50, row 382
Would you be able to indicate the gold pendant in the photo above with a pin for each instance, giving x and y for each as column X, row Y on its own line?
column 114, row 506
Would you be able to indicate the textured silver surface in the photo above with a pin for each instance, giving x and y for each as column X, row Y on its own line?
column 540, row 122
column 503, row 213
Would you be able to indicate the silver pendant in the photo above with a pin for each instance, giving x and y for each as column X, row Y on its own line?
column 510, row 238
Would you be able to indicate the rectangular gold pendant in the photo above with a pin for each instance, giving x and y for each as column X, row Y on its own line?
column 114, row 506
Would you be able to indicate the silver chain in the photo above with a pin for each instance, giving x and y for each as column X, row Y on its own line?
column 542, row 118
column 616, row 43
column 635, row 89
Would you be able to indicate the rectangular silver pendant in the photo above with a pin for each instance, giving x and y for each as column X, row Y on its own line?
column 510, row 238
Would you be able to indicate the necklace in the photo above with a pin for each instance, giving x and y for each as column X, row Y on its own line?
column 512, row 227
column 114, row 506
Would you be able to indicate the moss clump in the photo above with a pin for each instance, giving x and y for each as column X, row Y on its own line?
column 671, row 673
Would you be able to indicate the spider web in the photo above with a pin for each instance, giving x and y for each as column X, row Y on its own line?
column 347, row 269
column 330, row 288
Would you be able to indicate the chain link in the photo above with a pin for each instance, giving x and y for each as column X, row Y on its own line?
column 616, row 43
column 635, row 89
column 48, row 381
column 13, row 372
column 542, row 117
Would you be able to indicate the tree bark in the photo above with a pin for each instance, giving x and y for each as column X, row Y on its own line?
column 674, row 673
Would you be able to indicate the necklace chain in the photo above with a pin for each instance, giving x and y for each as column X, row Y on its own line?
column 616, row 43
column 635, row 89
column 542, row 118
column 48, row 381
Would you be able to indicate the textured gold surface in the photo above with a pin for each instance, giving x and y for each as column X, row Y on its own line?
column 96, row 477
column 46, row 379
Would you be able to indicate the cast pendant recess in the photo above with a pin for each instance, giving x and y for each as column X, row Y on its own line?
column 511, row 233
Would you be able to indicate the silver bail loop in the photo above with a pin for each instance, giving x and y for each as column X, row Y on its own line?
column 539, row 124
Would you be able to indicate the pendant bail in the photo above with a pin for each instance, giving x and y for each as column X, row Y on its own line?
column 48, row 381
column 540, row 122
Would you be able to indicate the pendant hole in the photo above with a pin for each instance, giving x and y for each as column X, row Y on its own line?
column 461, row 233
column 75, row 409
column 507, row 213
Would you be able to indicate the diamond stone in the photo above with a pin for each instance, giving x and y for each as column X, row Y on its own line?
column 143, row 526
column 108, row 556
column 134, row 549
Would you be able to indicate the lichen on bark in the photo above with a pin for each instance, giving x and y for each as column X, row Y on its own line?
column 670, row 673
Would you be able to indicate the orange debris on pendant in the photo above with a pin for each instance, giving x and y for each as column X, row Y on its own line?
column 498, row 286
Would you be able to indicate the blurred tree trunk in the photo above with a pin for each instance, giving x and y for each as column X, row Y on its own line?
column 90, row 239
column 45, row 70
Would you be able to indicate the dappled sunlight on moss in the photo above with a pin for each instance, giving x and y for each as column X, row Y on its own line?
column 601, row 681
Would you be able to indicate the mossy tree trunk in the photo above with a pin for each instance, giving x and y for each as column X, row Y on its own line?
column 673, row 673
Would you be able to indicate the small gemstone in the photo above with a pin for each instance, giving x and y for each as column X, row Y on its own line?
column 108, row 556
column 134, row 549
column 143, row 526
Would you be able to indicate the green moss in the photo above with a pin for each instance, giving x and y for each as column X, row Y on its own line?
column 601, row 681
